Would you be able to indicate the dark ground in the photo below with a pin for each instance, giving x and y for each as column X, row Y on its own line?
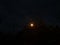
column 31, row 38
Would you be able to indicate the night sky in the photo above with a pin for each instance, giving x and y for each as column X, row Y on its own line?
column 17, row 13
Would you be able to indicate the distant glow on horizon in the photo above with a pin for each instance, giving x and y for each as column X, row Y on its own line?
column 31, row 24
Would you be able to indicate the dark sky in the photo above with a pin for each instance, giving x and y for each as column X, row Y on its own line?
column 19, row 12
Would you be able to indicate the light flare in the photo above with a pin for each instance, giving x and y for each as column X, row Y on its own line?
column 32, row 25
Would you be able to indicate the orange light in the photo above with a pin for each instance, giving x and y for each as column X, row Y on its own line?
column 31, row 24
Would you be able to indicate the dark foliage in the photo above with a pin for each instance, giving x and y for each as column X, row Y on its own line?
column 27, row 37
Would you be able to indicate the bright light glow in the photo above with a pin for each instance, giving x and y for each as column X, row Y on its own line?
column 31, row 25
